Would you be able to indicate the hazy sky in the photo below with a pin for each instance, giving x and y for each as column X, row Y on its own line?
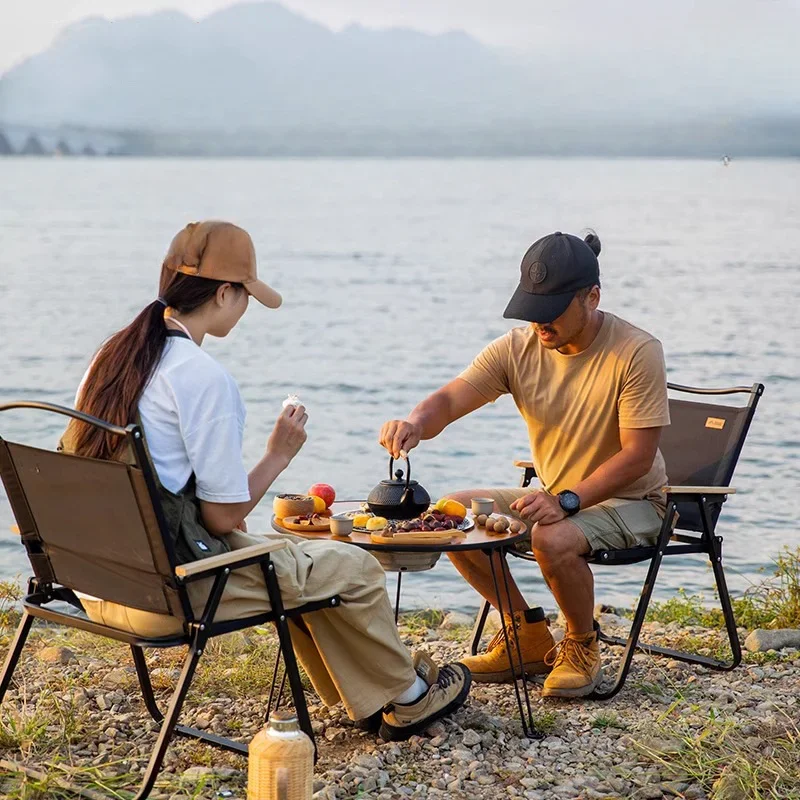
column 27, row 26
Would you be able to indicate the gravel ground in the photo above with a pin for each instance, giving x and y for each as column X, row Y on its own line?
column 641, row 744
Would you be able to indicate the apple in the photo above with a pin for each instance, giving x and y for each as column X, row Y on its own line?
column 324, row 491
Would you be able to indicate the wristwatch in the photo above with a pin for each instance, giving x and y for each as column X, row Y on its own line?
column 570, row 502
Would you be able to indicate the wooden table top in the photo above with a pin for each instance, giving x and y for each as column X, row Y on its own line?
column 475, row 539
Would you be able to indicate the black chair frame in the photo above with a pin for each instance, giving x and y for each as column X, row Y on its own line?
column 41, row 593
column 707, row 502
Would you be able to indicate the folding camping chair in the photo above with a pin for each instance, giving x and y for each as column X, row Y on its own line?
column 701, row 448
column 98, row 527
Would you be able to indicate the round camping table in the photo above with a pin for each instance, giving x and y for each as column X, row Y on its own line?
column 392, row 557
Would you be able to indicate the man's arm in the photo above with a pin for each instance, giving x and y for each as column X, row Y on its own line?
column 453, row 401
column 633, row 461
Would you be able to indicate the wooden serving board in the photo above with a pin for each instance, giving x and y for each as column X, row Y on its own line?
column 295, row 524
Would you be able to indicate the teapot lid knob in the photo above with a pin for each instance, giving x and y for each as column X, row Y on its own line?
column 398, row 474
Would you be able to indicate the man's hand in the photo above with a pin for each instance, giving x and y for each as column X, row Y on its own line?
column 397, row 435
column 539, row 507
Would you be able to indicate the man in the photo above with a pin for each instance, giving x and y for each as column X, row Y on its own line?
column 592, row 391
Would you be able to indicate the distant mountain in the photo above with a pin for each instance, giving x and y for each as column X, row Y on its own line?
column 252, row 66
column 616, row 78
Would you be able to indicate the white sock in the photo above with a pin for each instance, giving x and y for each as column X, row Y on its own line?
column 413, row 693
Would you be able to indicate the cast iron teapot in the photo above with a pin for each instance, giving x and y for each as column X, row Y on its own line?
column 398, row 498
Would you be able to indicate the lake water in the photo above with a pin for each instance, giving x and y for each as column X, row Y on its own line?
column 395, row 273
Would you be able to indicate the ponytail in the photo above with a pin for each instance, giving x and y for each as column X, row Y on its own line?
column 116, row 380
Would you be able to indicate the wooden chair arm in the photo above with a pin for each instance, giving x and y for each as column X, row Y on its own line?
column 524, row 464
column 699, row 490
column 231, row 559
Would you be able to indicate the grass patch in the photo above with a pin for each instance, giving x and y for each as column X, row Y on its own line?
column 422, row 620
column 10, row 595
column 605, row 720
column 545, row 722
column 35, row 784
column 772, row 603
column 22, row 730
column 728, row 762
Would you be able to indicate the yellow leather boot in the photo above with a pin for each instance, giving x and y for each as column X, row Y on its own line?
column 535, row 640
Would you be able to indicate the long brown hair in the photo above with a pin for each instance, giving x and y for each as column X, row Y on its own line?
column 124, row 364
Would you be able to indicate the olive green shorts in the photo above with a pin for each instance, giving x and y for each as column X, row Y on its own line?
column 614, row 524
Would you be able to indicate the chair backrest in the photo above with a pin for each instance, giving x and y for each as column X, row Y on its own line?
column 702, row 444
column 93, row 526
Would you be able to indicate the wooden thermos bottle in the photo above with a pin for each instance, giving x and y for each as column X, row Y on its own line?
column 280, row 761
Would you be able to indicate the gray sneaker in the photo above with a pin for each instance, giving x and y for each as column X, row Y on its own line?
column 448, row 688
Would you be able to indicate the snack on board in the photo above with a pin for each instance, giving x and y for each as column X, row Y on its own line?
column 292, row 505
column 308, row 522
column 432, row 521
column 376, row 523
column 497, row 523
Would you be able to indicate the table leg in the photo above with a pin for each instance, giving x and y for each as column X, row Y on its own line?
column 526, row 720
column 397, row 597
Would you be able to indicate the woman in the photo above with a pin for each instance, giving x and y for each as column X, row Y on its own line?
column 193, row 420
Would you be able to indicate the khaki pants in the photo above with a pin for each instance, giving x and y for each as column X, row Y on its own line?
column 351, row 653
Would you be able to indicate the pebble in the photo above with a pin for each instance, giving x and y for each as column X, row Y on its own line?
column 761, row 640
column 471, row 738
column 56, row 655
column 456, row 619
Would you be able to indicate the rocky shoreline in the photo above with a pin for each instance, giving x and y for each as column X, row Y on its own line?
column 674, row 731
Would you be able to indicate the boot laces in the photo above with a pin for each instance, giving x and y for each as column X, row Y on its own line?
column 571, row 652
column 447, row 675
column 499, row 639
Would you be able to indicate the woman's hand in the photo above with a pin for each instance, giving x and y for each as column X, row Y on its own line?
column 289, row 434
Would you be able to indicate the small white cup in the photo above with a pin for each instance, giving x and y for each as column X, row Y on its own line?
column 482, row 505
column 341, row 525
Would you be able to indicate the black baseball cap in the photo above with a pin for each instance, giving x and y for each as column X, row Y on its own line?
column 552, row 271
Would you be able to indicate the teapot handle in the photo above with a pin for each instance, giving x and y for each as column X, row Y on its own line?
column 405, row 498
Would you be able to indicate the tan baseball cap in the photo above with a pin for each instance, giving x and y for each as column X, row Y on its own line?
column 221, row 251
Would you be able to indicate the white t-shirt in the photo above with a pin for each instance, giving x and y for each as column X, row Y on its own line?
column 193, row 418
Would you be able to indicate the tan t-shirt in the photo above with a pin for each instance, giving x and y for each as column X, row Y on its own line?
column 575, row 405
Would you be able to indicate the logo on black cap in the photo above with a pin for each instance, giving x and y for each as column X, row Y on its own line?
column 537, row 272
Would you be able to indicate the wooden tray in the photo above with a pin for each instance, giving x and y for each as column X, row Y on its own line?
column 293, row 524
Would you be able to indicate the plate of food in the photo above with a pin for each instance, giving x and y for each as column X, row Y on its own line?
column 433, row 520
column 307, row 523
column 443, row 522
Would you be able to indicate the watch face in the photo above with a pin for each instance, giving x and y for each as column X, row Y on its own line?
column 570, row 501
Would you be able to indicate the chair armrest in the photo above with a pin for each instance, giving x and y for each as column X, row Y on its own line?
column 233, row 559
column 699, row 490
column 524, row 464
